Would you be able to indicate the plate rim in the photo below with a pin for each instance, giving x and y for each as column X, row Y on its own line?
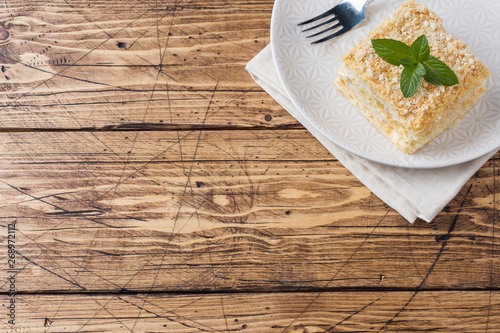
column 274, row 48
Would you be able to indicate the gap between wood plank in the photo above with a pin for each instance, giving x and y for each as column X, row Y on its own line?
column 152, row 128
column 243, row 291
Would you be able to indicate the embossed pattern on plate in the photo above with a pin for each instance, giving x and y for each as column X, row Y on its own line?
column 307, row 73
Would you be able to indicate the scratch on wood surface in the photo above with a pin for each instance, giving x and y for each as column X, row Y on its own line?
column 153, row 90
column 158, row 75
column 46, row 252
column 330, row 329
column 445, row 240
column 337, row 272
column 65, row 258
column 189, row 323
column 85, row 258
column 183, row 196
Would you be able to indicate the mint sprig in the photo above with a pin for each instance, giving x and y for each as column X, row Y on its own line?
column 418, row 62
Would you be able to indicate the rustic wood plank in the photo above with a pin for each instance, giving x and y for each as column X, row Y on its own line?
column 109, row 225
column 225, row 210
column 80, row 64
column 436, row 311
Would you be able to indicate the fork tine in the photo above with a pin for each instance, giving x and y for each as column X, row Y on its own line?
column 322, row 24
column 336, row 34
column 335, row 26
column 319, row 17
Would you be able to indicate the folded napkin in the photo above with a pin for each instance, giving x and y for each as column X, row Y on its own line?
column 414, row 193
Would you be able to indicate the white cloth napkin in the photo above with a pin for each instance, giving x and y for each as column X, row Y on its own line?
column 414, row 193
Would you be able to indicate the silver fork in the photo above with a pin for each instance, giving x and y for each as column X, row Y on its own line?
column 345, row 16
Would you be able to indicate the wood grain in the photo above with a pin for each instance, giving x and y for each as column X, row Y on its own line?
column 97, row 64
column 156, row 188
column 452, row 311
column 226, row 210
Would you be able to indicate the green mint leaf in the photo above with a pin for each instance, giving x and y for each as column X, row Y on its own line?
column 420, row 49
column 391, row 51
column 408, row 62
column 420, row 69
column 438, row 73
column 418, row 63
column 410, row 81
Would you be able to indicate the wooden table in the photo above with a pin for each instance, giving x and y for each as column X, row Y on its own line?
column 152, row 186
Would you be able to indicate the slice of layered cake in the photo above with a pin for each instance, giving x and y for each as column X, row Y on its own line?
column 374, row 85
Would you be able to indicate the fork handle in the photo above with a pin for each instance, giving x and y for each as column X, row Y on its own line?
column 360, row 5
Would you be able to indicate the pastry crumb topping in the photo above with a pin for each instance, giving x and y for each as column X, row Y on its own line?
column 406, row 24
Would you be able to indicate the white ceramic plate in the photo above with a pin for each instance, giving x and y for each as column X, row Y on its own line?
column 307, row 72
